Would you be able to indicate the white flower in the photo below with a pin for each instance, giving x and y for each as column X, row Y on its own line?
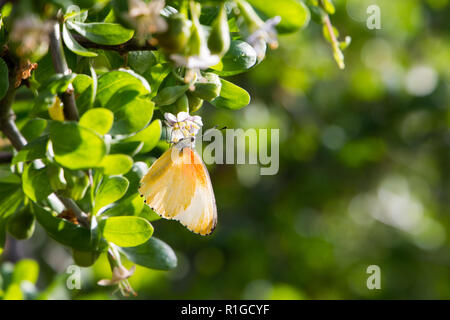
column 183, row 125
column 265, row 34
column 202, row 61
column 147, row 16
column 120, row 277
column 31, row 35
column 119, row 274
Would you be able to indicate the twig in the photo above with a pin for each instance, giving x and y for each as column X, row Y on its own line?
column 326, row 20
column 338, row 56
column 130, row 45
column 70, row 204
column 60, row 64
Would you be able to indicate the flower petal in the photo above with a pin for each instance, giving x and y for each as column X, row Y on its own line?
column 170, row 118
column 182, row 116
column 106, row 282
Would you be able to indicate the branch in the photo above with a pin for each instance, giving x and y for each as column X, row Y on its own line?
column 10, row 130
column 60, row 64
column 7, row 116
column 130, row 45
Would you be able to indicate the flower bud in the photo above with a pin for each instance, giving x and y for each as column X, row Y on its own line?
column 219, row 38
column 175, row 39
column 250, row 16
column 208, row 87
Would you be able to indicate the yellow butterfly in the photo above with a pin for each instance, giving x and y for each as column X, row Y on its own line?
column 178, row 187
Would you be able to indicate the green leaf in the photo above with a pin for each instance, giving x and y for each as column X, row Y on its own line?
column 149, row 136
column 4, row 79
column 239, row 58
column 231, row 96
column 2, row 236
column 131, row 113
column 141, row 61
column 131, row 203
column 22, row 223
column 111, row 189
column 43, row 102
column 77, row 184
column 65, row 232
column 6, row 178
column 329, row 6
column 35, row 183
column 294, row 14
column 102, row 33
column 149, row 214
column 155, row 76
column 153, row 254
column 58, row 83
column 35, row 149
column 126, row 147
column 13, row 292
column 85, row 258
column 128, row 231
column 139, row 77
column 169, row 95
column 74, row 46
column 135, row 175
column 76, row 15
column 98, row 119
column 84, row 87
column 10, row 200
column 33, row 128
column 76, row 147
column 56, row 177
column 25, row 270
column 116, row 164
column 127, row 206
column 115, row 82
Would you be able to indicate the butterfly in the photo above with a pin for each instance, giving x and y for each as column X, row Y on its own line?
column 178, row 187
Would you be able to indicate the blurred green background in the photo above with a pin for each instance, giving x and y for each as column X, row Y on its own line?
column 363, row 180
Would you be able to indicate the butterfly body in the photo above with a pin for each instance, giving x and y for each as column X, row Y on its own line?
column 177, row 186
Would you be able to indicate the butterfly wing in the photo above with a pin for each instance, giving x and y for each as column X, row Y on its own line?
column 177, row 186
